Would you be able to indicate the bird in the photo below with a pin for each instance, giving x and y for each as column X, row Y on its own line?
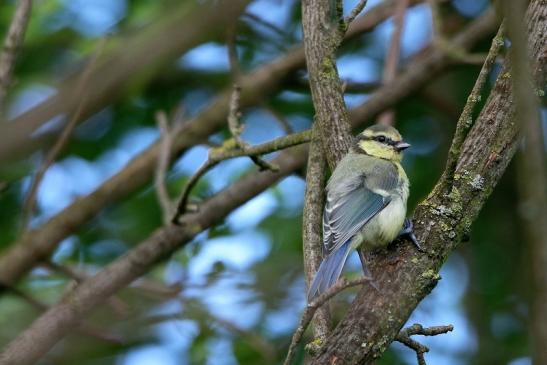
column 366, row 203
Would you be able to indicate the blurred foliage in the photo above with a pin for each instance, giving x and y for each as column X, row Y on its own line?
column 253, row 288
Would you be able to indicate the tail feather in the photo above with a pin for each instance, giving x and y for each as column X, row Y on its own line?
column 329, row 271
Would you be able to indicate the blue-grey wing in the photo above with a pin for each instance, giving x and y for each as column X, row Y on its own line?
column 350, row 205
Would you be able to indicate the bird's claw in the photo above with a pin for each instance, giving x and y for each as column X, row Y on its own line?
column 408, row 233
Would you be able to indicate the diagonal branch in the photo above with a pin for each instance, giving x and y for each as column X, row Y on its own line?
column 62, row 141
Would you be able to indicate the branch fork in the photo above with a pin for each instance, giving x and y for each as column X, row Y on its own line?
column 417, row 329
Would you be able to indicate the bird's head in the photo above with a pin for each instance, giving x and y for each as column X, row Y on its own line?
column 381, row 141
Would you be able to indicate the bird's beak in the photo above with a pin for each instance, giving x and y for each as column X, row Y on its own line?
column 402, row 146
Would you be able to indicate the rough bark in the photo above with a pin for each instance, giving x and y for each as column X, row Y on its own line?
column 323, row 27
column 312, row 238
column 39, row 244
column 406, row 276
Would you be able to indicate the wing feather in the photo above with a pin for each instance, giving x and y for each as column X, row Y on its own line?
column 352, row 203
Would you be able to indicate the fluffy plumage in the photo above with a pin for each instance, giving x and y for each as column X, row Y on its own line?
column 366, row 202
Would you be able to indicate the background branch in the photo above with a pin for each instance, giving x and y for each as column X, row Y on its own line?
column 12, row 43
column 532, row 181
column 164, row 158
column 64, row 137
column 392, row 58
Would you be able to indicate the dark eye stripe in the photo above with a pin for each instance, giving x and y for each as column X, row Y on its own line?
column 387, row 141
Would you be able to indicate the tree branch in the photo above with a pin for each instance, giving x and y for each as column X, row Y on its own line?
column 164, row 159
column 312, row 225
column 441, row 221
column 217, row 155
column 417, row 329
column 321, row 39
column 392, row 58
column 465, row 121
column 64, row 137
column 13, row 41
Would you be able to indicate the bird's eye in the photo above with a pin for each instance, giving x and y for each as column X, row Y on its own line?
column 381, row 139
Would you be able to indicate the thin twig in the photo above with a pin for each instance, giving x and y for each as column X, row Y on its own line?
column 217, row 155
column 236, row 128
column 164, row 159
column 449, row 48
column 417, row 329
column 355, row 11
column 13, row 41
column 465, row 122
column 392, row 59
column 61, row 142
column 312, row 307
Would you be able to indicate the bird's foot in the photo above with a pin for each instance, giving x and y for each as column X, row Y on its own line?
column 408, row 233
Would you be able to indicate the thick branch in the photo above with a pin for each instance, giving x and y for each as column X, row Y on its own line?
column 406, row 276
column 322, row 34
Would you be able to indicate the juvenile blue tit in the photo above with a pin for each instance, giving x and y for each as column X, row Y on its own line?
column 366, row 202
